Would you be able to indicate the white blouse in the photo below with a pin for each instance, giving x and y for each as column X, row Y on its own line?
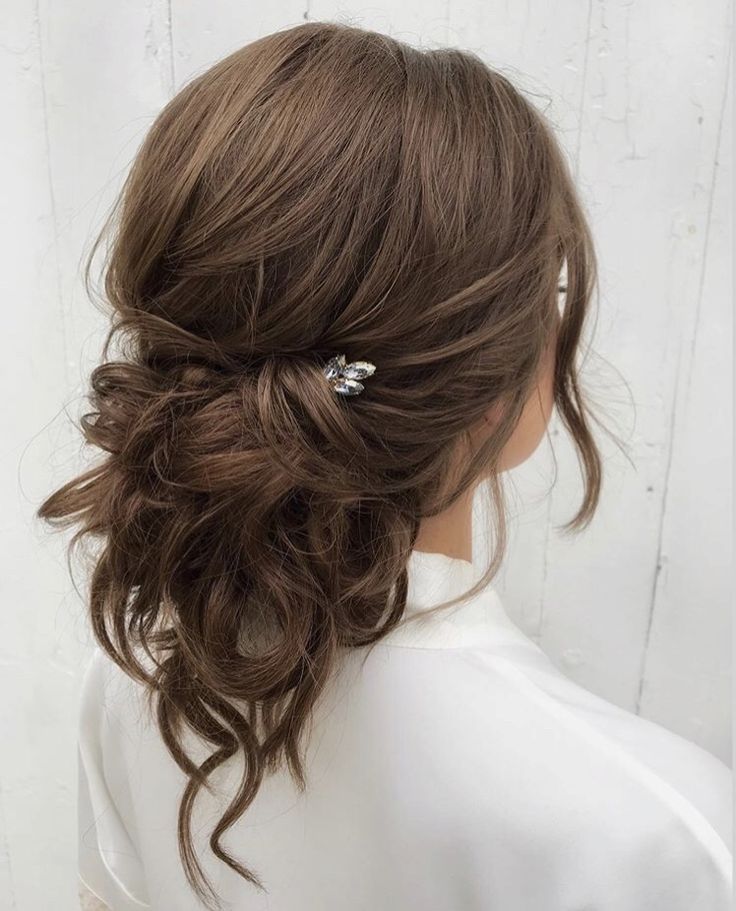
column 452, row 767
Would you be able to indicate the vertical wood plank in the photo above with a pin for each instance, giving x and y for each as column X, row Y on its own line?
column 685, row 683
column 79, row 86
column 650, row 129
column 35, row 808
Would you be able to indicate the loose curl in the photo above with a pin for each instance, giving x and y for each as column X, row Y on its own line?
column 324, row 189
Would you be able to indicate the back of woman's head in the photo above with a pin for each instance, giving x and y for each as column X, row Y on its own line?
column 323, row 190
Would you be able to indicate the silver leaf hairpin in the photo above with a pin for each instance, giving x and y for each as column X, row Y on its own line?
column 345, row 378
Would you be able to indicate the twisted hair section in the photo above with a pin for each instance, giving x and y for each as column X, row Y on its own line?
column 324, row 189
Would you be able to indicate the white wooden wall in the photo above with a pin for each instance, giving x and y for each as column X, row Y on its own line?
column 637, row 608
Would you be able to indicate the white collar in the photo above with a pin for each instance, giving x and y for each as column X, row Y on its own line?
column 435, row 578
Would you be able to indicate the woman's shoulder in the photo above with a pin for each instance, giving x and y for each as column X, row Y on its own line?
column 508, row 732
column 115, row 710
column 503, row 745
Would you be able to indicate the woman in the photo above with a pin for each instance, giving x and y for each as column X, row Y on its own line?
column 335, row 280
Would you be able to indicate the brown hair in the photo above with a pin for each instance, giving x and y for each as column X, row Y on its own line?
column 324, row 189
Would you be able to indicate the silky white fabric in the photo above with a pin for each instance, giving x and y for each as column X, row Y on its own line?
column 450, row 768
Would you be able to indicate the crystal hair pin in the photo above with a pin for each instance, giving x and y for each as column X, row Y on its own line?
column 345, row 378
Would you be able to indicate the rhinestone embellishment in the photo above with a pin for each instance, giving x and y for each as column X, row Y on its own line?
column 345, row 378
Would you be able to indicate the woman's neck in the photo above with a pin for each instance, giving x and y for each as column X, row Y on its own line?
column 449, row 532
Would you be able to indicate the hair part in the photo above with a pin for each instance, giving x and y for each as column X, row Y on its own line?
column 324, row 189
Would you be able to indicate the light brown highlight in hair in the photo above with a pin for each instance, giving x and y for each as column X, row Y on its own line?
column 324, row 189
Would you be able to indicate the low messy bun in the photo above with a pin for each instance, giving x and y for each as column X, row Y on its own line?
column 323, row 190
